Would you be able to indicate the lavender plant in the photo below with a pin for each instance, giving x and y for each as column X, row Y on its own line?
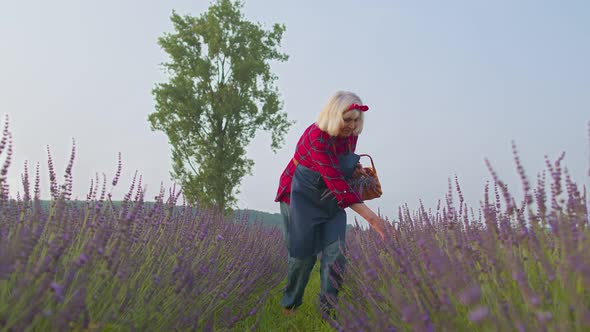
column 512, row 266
column 128, row 265
column 133, row 264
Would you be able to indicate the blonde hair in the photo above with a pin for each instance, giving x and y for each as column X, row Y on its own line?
column 331, row 117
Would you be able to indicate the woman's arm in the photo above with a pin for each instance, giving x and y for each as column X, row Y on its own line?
column 371, row 217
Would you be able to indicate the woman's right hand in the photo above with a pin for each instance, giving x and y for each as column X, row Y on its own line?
column 377, row 224
column 359, row 171
column 371, row 217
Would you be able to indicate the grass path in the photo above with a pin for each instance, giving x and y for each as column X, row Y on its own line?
column 306, row 319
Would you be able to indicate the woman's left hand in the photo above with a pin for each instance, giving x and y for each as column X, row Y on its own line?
column 359, row 171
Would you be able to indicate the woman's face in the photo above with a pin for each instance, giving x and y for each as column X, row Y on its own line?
column 351, row 119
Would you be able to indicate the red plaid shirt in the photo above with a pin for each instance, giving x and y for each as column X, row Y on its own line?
column 315, row 151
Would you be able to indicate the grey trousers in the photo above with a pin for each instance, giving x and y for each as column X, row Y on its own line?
column 331, row 269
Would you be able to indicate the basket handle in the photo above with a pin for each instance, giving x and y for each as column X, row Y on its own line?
column 372, row 163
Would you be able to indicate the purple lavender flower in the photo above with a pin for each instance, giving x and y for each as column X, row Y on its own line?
column 478, row 314
column 543, row 316
column 118, row 173
column 58, row 291
column 470, row 295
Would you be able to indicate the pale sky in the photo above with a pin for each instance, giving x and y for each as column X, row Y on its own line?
column 448, row 84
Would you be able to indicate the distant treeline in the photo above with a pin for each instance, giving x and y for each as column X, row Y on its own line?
column 265, row 218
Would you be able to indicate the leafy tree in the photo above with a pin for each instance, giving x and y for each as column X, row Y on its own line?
column 220, row 92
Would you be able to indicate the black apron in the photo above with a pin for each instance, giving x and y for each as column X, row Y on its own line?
column 315, row 219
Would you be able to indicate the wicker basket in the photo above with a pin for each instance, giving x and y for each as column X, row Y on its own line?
column 368, row 186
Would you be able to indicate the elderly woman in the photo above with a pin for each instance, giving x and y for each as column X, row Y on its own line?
column 313, row 193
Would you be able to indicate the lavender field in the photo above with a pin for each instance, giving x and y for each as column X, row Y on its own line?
column 133, row 264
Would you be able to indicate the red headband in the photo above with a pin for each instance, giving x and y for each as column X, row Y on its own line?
column 362, row 108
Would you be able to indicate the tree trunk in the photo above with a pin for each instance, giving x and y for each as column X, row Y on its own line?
column 220, row 194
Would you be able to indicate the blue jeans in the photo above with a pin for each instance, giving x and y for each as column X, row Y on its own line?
column 331, row 269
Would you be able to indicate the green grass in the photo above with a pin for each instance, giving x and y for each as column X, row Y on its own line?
column 307, row 318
